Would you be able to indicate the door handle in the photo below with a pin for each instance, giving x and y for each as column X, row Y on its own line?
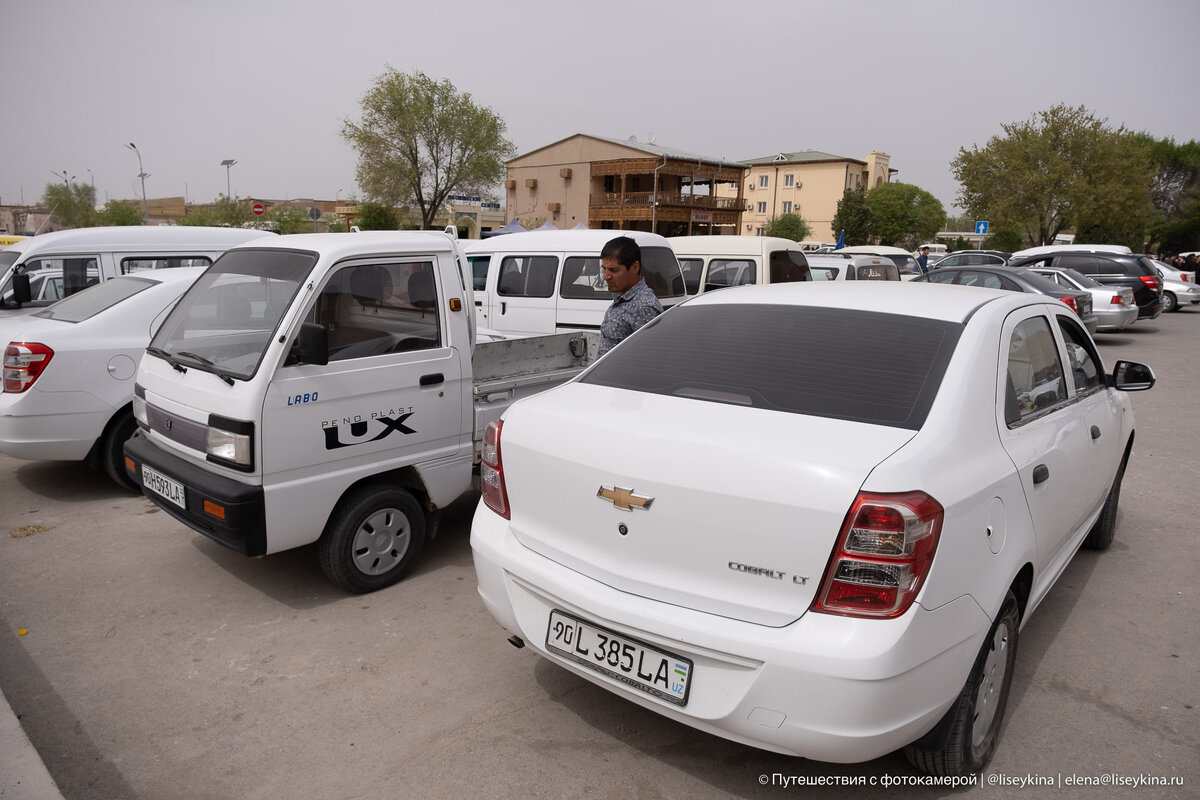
column 503, row 306
column 1095, row 432
column 1041, row 474
column 433, row 379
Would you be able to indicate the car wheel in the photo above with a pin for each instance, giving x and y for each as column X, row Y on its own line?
column 1169, row 303
column 1101, row 534
column 112, row 448
column 979, row 710
column 372, row 539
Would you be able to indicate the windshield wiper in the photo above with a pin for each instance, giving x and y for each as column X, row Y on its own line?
column 208, row 363
column 165, row 356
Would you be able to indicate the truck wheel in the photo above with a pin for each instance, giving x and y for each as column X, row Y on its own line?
column 112, row 448
column 1169, row 303
column 979, row 710
column 372, row 539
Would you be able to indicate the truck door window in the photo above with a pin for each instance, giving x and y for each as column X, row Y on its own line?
column 374, row 309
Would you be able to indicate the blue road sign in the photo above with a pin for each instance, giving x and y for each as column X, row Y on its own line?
column 981, row 227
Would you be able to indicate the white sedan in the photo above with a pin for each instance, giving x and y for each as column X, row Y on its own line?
column 812, row 517
column 69, row 369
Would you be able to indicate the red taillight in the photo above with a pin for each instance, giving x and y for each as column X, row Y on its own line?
column 883, row 554
column 1117, row 300
column 23, row 363
column 1071, row 302
column 491, row 471
column 1151, row 282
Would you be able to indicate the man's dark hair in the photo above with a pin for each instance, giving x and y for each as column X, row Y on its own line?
column 624, row 249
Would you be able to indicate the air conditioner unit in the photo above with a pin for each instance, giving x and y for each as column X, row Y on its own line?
column 531, row 183
column 553, row 207
column 510, row 184
column 565, row 172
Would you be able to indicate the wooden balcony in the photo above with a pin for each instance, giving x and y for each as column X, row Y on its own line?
column 632, row 200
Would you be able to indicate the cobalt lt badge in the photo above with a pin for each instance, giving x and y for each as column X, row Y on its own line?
column 168, row 424
column 623, row 498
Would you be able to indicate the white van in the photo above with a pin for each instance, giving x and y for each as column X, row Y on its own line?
column 550, row 281
column 73, row 260
column 715, row 262
column 834, row 267
column 905, row 261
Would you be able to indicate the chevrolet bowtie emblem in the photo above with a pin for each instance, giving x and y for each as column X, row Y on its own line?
column 623, row 498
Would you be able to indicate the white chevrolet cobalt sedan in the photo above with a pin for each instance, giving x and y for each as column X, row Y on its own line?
column 69, row 369
column 812, row 517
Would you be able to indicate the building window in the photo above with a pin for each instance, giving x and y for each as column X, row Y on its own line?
column 787, row 206
column 789, row 180
column 762, row 208
column 763, row 181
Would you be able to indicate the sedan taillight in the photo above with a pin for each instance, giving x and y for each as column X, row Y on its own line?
column 883, row 555
column 1117, row 300
column 491, row 471
column 23, row 363
column 1071, row 302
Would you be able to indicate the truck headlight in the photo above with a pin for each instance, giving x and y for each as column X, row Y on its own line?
column 230, row 442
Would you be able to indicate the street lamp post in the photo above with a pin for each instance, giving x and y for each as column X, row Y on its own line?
column 141, row 174
column 227, row 163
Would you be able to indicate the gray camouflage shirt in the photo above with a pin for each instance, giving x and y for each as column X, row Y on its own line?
column 627, row 313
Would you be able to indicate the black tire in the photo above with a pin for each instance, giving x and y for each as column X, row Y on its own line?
column 112, row 448
column 1169, row 303
column 372, row 539
column 978, row 713
column 1105, row 526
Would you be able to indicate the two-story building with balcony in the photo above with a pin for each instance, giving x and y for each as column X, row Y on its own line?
column 624, row 185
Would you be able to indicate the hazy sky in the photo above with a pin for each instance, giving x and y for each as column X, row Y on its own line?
column 268, row 83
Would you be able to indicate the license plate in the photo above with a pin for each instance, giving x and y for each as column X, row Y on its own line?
column 163, row 486
column 648, row 669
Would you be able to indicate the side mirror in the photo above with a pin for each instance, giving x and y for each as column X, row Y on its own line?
column 311, row 346
column 22, row 293
column 1130, row 376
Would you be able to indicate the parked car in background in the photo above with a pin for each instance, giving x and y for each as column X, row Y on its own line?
column 904, row 260
column 837, row 267
column 1016, row 280
column 717, row 262
column 1110, row 268
column 1113, row 306
column 966, row 258
column 1044, row 249
column 842, row 566
column 69, row 370
column 1177, row 289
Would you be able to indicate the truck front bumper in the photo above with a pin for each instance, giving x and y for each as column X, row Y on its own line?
column 225, row 510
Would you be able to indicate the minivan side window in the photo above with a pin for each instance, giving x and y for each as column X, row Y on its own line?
column 139, row 263
column 583, row 279
column 724, row 272
column 692, row 267
column 527, row 276
column 479, row 271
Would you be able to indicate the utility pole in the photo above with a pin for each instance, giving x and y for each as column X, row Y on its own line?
column 141, row 174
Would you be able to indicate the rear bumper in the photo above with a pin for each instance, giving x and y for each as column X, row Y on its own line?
column 1118, row 319
column 824, row 687
column 51, row 426
column 244, row 526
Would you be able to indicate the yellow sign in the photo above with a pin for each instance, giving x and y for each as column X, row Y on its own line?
column 6, row 240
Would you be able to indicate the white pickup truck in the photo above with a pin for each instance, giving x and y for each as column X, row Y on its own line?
column 329, row 388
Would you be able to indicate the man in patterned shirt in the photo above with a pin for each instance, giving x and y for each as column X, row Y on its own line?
column 635, row 303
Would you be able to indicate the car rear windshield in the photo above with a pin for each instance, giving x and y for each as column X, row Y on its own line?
column 101, row 297
column 871, row 367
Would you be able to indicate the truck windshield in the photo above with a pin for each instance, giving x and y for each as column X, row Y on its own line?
column 224, row 323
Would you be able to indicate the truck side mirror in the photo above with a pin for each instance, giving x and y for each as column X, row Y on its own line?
column 311, row 346
column 22, row 294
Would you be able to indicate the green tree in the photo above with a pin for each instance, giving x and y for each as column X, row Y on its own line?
column 71, row 206
column 224, row 212
column 120, row 213
column 420, row 140
column 1175, row 194
column 853, row 217
column 903, row 214
column 289, row 219
column 376, row 217
column 1055, row 171
column 788, row 226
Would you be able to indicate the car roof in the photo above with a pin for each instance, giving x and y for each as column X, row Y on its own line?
column 727, row 244
column 137, row 236
column 873, row 249
column 573, row 239
column 932, row 301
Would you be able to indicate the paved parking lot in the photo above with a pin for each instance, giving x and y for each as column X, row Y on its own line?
column 156, row 664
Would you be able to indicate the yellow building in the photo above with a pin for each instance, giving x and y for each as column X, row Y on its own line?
column 808, row 183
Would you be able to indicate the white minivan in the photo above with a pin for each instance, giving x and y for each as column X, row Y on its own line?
column 41, row 270
column 716, row 262
column 550, row 281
